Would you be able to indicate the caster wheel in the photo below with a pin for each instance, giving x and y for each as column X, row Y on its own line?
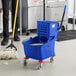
column 27, row 33
column 62, row 28
column 40, row 65
column 51, row 59
column 25, row 62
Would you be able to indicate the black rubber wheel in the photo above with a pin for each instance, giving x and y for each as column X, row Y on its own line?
column 51, row 59
column 62, row 28
column 27, row 33
column 25, row 62
column 40, row 65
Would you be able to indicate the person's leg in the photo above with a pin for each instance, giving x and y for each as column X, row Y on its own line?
column 5, row 5
column 16, row 38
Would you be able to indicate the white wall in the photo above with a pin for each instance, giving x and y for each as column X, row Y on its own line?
column 0, row 4
column 71, row 7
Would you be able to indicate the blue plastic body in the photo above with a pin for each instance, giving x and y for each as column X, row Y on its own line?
column 47, row 34
column 39, row 52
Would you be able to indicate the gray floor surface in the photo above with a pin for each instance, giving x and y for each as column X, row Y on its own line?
column 64, row 63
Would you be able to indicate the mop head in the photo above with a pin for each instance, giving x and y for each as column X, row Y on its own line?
column 8, row 54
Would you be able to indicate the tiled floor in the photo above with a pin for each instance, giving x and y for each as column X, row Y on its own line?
column 64, row 63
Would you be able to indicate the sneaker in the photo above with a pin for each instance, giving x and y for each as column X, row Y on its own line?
column 4, row 42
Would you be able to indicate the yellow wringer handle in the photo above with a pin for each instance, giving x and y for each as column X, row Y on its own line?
column 14, row 24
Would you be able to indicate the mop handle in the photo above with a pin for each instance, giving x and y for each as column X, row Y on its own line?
column 15, row 17
column 63, row 16
column 43, row 9
column 65, row 8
